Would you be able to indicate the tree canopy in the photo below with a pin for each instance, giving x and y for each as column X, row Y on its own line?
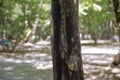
column 96, row 18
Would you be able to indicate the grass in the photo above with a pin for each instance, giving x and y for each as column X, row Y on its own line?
column 23, row 71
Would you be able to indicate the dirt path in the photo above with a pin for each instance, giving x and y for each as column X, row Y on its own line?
column 36, row 65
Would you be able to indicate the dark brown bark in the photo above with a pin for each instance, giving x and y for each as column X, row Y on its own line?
column 116, row 5
column 57, row 70
column 117, row 10
column 67, row 61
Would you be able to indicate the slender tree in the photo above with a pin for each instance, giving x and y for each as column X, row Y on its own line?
column 67, row 61
column 116, row 4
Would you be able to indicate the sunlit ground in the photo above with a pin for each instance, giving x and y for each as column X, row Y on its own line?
column 37, row 63
column 30, row 66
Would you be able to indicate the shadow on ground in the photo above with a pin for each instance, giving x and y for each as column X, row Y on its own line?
column 36, row 64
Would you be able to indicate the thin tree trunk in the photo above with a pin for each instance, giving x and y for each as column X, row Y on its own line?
column 116, row 5
column 34, row 29
column 117, row 10
column 67, row 61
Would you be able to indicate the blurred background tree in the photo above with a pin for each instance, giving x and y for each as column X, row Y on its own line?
column 29, row 20
column 25, row 20
column 96, row 19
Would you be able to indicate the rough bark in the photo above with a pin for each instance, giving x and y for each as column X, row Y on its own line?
column 67, row 61
column 116, row 6
column 117, row 10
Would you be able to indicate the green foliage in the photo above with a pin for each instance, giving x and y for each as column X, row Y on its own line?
column 18, row 15
column 16, row 18
column 94, row 14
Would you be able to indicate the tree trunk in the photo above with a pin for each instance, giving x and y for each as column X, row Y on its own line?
column 116, row 5
column 117, row 10
column 67, row 61
column 34, row 29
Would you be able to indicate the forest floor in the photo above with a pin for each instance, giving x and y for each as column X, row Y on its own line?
column 34, row 62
